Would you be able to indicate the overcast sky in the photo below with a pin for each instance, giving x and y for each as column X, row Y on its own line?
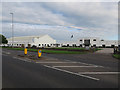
column 60, row 20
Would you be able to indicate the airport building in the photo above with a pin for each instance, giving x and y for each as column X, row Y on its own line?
column 30, row 41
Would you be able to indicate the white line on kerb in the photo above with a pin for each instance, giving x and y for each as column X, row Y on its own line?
column 75, row 66
column 99, row 72
column 72, row 73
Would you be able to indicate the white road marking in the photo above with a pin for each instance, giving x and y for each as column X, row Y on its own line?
column 75, row 66
column 6, row 52
column 85, row 63
column 22, row 59
column 99, row 72
column 72, row 73
column 56, row 62
column 4, row 55
column 69, row 62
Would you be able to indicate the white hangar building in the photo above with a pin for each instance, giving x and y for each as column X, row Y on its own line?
column 91, row 41
column 29, row 41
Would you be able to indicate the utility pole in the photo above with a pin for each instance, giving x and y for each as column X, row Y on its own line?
column 12, row 30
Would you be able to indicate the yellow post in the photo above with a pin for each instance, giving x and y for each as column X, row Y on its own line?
column 39, row 53
column 25, row 51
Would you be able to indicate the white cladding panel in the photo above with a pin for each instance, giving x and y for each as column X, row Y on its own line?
column 93, row 41
column 44, row 40
column 33, row 40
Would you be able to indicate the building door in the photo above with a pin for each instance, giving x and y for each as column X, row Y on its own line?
column 87, row 42
column 67, row 45
column 29, row 45
column 22, row 45
column 80, row 45
column 103, row 45
column 112, row 46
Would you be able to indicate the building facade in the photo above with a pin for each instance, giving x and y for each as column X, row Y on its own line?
column 47, row 41
column 91, row 41
column 30, row 41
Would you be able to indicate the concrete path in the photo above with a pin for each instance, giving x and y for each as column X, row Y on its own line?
column 106, row 50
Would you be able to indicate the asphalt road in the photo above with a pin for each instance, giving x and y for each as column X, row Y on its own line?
column 17, row 73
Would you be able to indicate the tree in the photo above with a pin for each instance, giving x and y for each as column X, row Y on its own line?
column 3, row 39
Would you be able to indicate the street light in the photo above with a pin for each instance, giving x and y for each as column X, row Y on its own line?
column 12, row 30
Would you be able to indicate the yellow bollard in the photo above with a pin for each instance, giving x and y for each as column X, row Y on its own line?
column 25, row 51
column 39, row 53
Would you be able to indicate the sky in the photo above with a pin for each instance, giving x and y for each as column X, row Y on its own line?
column 60, row 20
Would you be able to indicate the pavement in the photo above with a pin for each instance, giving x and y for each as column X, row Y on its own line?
column 95, row 70
column 106, row 50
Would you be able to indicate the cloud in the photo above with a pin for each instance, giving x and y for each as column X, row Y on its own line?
column 61, row 19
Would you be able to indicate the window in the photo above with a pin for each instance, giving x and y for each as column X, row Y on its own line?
column 81, row 40
column 80, row 45
column 48, row 45
column 103, row 45
column 39, row 44
column 74, row 45
column 102, row 40
column 94, row 45
column 67, row 45
column 42, row 44
column 112, row 46
column 94, row 39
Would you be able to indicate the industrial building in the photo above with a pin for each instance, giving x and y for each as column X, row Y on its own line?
column 47, row 41
column 91, row 41
column 30, row 41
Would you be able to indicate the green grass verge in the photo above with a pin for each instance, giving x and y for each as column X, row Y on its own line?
column 51, row 51
column 69, row 48
column 97, row 49
column 116, row 56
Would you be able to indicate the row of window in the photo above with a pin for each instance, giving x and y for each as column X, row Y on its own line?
column 45, row 44
column 93, row 40
column 15, row 44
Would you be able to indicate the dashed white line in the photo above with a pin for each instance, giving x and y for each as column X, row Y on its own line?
column 75, row 66
column 99, row 72
column 72, row 73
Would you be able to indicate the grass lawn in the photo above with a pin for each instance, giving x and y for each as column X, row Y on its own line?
column 116, row 56
column 98, row 49
column 61, row 50
column 69, row 48
column 51, row 51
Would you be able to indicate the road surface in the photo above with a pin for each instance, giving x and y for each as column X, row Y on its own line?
column 57, row 72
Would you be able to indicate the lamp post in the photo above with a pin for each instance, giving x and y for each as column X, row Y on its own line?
column 12, row 30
